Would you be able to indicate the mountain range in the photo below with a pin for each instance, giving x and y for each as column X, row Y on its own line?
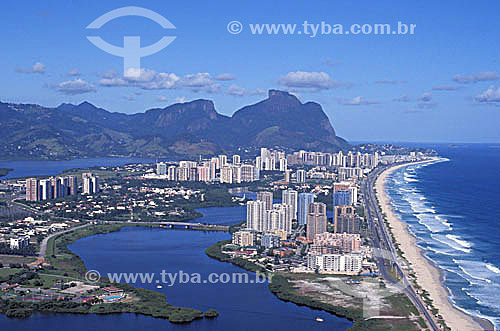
column 182, row 129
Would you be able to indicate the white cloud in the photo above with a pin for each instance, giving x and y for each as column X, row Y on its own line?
column 161, row 98
column 357, row 101
column 330, row 61
column 477, row 77
column 489, row 96
column 37, row 67
column 151, row 80
column 74, row 72
column 76, row 86
column 308, row 80
column 389, row 81
column 225, row 77
column 109, row 74
column 403, row 98
column 426, row 97
column 200, row 82
column 239, row 91
column 426, row 101
column 427, row 104
column 236, row 90
column 445, row 88
column 180, row 99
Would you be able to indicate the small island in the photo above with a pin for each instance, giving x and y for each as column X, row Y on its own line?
column 211, row 313
column 5, row 171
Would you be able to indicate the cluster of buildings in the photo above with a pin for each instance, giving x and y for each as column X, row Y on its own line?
column 59, row 187
column 216, row 169
column 347, row 165
column 18, row 234
column 273, row 225
column 340, row 159
column 224, row 170
column 51, row 188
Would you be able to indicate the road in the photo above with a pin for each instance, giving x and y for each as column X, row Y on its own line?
column 381, row 235
column 43, row 244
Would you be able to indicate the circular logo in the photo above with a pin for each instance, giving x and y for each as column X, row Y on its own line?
column 92, row 276
column 234, row 27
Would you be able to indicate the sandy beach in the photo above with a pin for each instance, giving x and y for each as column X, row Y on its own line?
column 428, row 275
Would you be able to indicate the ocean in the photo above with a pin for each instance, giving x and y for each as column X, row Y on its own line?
column 451, row 206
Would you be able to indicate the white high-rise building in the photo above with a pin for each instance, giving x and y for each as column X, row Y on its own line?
column 222, row 160
column 278, row 218
column 213, row 168
column 258, row 163
column 301, row 176
column 161, row 168
column 171, row 174
column 215, row 160
column 46, row 189
column 290, row 197
column 90, row 183
column 226, row 175
column 283, row 165
column 249, row 173
column 267, row 197
column 256, row 215
column 236, row 159
column 336, row 263
column 204, row 174
column 354, row 194
column 236, row 174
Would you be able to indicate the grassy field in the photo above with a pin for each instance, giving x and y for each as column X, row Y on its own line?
column 8, row 259
column 6, row 272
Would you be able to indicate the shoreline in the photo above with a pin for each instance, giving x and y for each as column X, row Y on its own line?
column 428, row 274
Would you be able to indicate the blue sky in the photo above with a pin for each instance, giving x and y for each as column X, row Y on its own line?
column 441, row 84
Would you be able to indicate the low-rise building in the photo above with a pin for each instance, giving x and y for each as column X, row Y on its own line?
column 270, row 240
column 244, row 238
column 335, row 263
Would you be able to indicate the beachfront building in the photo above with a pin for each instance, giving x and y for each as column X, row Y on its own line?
column 335, row 263
column 346, row 242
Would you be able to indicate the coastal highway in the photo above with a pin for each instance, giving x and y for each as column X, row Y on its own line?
column 382, row 240
column 43, row 245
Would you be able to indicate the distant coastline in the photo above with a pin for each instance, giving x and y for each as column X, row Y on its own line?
column 428, row 274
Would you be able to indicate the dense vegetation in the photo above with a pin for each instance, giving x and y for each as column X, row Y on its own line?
column 66, row 263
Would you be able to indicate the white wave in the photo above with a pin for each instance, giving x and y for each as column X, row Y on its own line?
column 442, row 252
column 444, row 221
column 431, row 223
column 423, row 198
column 459, row 240
column 478, row 270
column 450, row 243
column 493, row 268
column 472, row 276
